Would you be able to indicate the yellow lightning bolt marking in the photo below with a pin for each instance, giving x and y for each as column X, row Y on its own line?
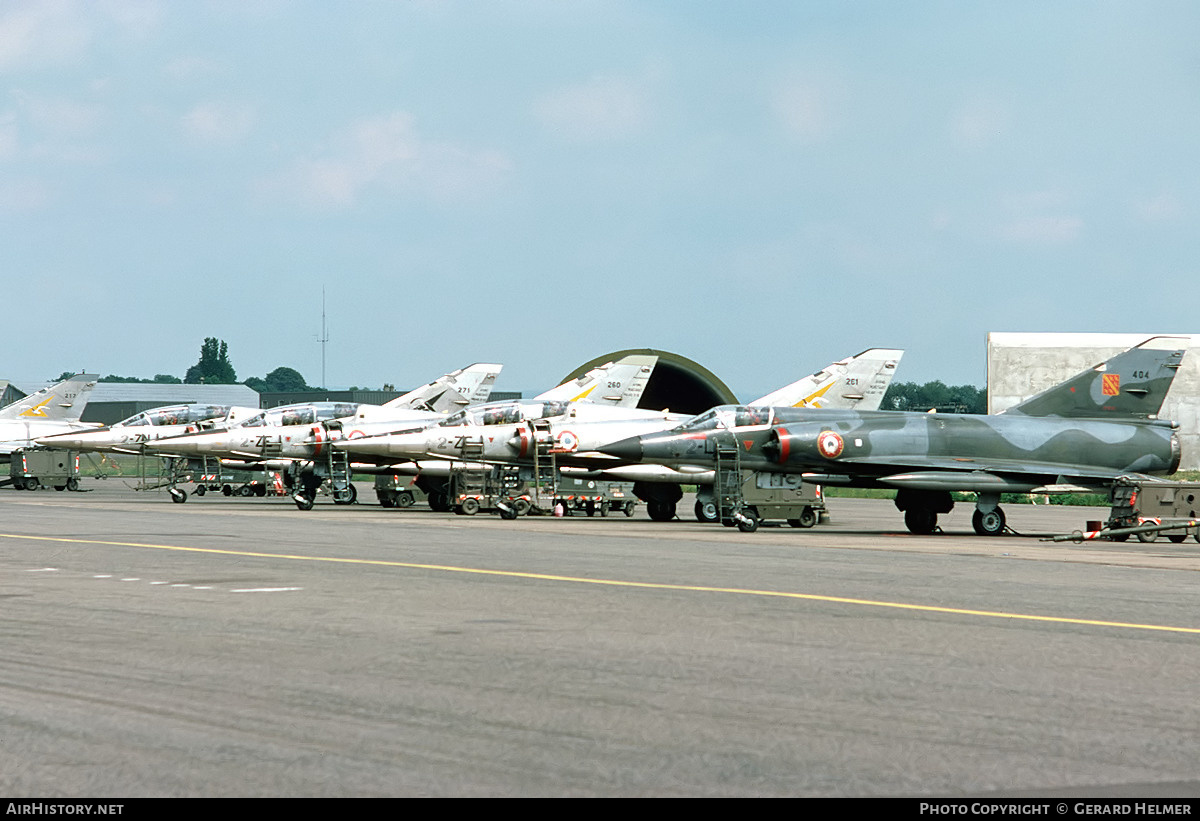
column 37, row 410
column 691, row 588
column 585, row 393
column 803, row 403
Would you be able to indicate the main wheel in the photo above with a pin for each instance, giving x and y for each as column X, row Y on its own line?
column 303, row 502
column 920, row 520
column 990, row 523
column 178, row 495
column 706, row 511
column 661, row 511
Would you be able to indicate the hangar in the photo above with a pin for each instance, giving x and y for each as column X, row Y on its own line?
column 678, row 384
column 1020, row 365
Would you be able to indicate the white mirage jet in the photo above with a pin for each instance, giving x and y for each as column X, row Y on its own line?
column 295, row 437
column 55, row 409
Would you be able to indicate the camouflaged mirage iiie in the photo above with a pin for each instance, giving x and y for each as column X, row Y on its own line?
column 1085, row 432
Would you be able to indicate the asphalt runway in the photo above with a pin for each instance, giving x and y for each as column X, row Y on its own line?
column 240, row 647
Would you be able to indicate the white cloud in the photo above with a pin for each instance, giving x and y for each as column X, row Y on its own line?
column 1161, row 208
column 1045, row 230
column 386, row 154
column 600, row 110
column 218, row 123
column 804, row 106
column 41, row 33
column 1040, row 218
column 979, row 124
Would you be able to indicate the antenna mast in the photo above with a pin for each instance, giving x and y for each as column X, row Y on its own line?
column 323, row 338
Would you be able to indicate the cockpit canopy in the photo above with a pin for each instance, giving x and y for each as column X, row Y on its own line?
column 309, row 413
column 505, row 413
column 174, row 415
column 728, row 416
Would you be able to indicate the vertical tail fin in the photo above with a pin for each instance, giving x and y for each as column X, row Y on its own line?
column 619, row 383
column 62, row 402
column 466, row 386
column 1132, row 384
column 856, row 383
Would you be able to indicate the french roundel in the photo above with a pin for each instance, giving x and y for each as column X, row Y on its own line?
column 830, row 444
column 567, row 441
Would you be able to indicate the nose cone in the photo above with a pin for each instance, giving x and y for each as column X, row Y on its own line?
column 629, row 450
column 404, row 445
column 66, row 441
column 195, row 445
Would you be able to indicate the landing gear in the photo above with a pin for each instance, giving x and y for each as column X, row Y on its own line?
column 660, row 511
column 921, row 508
column 302, row 501
column 178, row 495
column 920, row 520
column 988, row 519
column 988, row 523
column 706, row 510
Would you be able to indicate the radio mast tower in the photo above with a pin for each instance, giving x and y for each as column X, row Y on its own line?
column 323, row 339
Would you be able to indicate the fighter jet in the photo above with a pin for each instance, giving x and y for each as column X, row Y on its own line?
column 131, row 435
column 55, row 409
column 1085, row 432
column 572, row 432
column 294, row 437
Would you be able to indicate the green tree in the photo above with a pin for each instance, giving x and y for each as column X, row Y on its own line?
column 909, row 396
column 214, row 367
column 280, row 379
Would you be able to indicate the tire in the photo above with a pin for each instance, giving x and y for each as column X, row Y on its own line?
column 200, row 490
column 590, row 508
column 508, row 513
column 629, row 506
column 404, row 498
column 346, row 496
column 260, row 491
column 1177, row 538
column 303, row 502
column 246, row 491
column 227, row 490
column 920, row 520
column 73, row 484
column 749, row 522
column 990, row 523
column 808, row 518
column 1123, row 537
column 1147, row 538
column 178, row 495
column 386, row 499
column 706, row 511
column 520, row 507
column 32, row 483
column 60, row 487
column 469, row 506
column 661, row 511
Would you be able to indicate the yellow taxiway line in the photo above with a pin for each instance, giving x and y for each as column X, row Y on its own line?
column 924, row 608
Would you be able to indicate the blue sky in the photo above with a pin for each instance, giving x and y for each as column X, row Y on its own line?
column 760, row 186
